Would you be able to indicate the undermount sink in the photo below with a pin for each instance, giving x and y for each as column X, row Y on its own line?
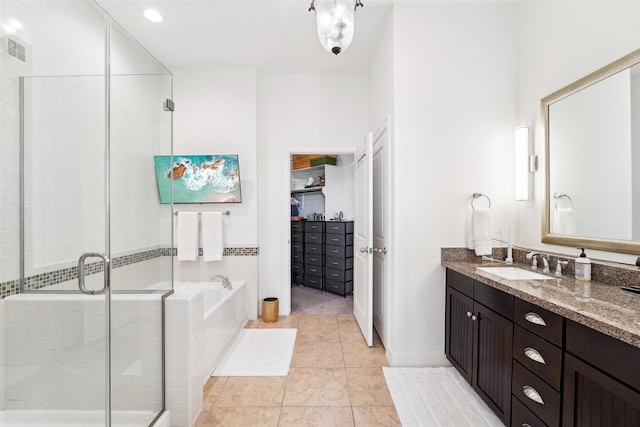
column 514, row 273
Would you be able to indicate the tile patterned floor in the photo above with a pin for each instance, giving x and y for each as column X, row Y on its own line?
column 335, row 380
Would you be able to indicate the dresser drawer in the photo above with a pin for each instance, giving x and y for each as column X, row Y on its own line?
column 538, row 355
column 314, row 237
column 297, row 226
column 297, row 247
column 340, row 251
column 541, row 322
column 528, row 388
column 521, row 416
column 339, row 227
column 298, row 267
column 339, row 239
column 313, row 282
column 313, row 270
column 341, row 288
column 314, row 226
column 297, row 257
column 495, row 299
column 339, row 263
column 338, row 275
column 314, row 259
column 314, row 248
column 297, row 236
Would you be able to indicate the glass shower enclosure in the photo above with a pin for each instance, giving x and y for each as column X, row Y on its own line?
column 84, row 110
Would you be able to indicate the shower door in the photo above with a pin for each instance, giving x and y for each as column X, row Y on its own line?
column 82, row 340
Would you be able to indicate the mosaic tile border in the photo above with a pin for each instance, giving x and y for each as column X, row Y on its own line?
column 44, row 280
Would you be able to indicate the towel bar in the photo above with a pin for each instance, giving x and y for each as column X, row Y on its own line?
column 477, row 195
column 223, row 213
column 561, row 195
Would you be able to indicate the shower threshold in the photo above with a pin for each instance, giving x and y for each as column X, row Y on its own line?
column 51, row 418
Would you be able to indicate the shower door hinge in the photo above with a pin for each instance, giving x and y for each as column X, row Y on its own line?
column 168, row 105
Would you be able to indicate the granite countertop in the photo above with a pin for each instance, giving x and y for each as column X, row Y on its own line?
column 608, row 309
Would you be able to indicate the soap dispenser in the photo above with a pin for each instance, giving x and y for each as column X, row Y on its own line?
column 583, row 267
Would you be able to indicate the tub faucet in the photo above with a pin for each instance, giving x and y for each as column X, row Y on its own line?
column 544, row 258
column 225, row 281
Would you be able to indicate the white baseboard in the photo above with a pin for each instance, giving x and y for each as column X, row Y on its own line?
column 433, row 358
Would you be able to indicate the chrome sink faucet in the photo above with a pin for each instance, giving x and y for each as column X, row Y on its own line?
column 545, row 260
column 225, row 281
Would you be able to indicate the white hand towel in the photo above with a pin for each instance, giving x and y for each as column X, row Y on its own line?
column 564, row 222
column 187, row 236
column 481, row 231
column 212, row 241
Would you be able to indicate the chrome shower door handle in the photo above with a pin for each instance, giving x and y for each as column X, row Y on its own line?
column 81, row 285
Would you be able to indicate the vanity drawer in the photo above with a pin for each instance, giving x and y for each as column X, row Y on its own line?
column 314, row 248
column 339, row 227
column 297, row 236
column 314, row 259
column 313, row 270
column 339, row 263
column 460, row 282
column 494, row 299
column 541, row 322
column 538, row 355
column 338, row 275
column 340, row 251
column 339, row 239
column 297, row 226
column 313, row 281
column 314, row 237
column 521, row 416
column 525, row 386
column 314, row 226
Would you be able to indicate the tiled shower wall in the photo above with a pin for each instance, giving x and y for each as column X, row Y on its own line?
column 125, row 279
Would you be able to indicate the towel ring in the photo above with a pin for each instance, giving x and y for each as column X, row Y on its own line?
column 477, row 195
column 561, row 195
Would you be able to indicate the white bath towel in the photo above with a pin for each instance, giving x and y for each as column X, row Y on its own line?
column 187, row 236
column 481, row 231
column 212, row 241
column 564, row 222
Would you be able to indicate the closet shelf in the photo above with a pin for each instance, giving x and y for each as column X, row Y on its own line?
column 307, row 190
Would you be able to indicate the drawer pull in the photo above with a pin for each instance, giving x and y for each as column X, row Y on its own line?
column 534, row 355
column 469, row 314
column 334, row 240
column 526, row 425
column 335, row 252
column 313, row 259
column 334, row 263
column 535, row 319
column 532, row 394
column 334, row 275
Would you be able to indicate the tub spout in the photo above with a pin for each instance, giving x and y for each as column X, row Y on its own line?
column 225, row 281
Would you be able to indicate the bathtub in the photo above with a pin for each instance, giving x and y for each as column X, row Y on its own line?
column 202, row 319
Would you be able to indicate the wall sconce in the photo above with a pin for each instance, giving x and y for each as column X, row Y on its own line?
column 524, row 164
column 335, row 22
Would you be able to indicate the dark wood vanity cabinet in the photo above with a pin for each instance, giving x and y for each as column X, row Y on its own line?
column 478, row 339
column 534, row 368
column 601, row 380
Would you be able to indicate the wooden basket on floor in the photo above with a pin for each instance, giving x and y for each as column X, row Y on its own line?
column 270, row 310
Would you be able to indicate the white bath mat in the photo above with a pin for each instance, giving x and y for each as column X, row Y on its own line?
column 437, row 397
column 258, row 353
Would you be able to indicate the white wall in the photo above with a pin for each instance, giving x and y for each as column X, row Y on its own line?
column 298, row 113
column 454, row 95
column 216, row 114
column 559, row 43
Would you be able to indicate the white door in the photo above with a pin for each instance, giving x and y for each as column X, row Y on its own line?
column 381, row 216
column 363, row 240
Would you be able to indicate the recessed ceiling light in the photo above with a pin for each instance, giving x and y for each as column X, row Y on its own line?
column 153, row 15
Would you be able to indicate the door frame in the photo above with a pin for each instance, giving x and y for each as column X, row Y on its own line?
column 285, row 289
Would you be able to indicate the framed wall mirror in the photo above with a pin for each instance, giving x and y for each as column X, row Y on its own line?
column 592, row 147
